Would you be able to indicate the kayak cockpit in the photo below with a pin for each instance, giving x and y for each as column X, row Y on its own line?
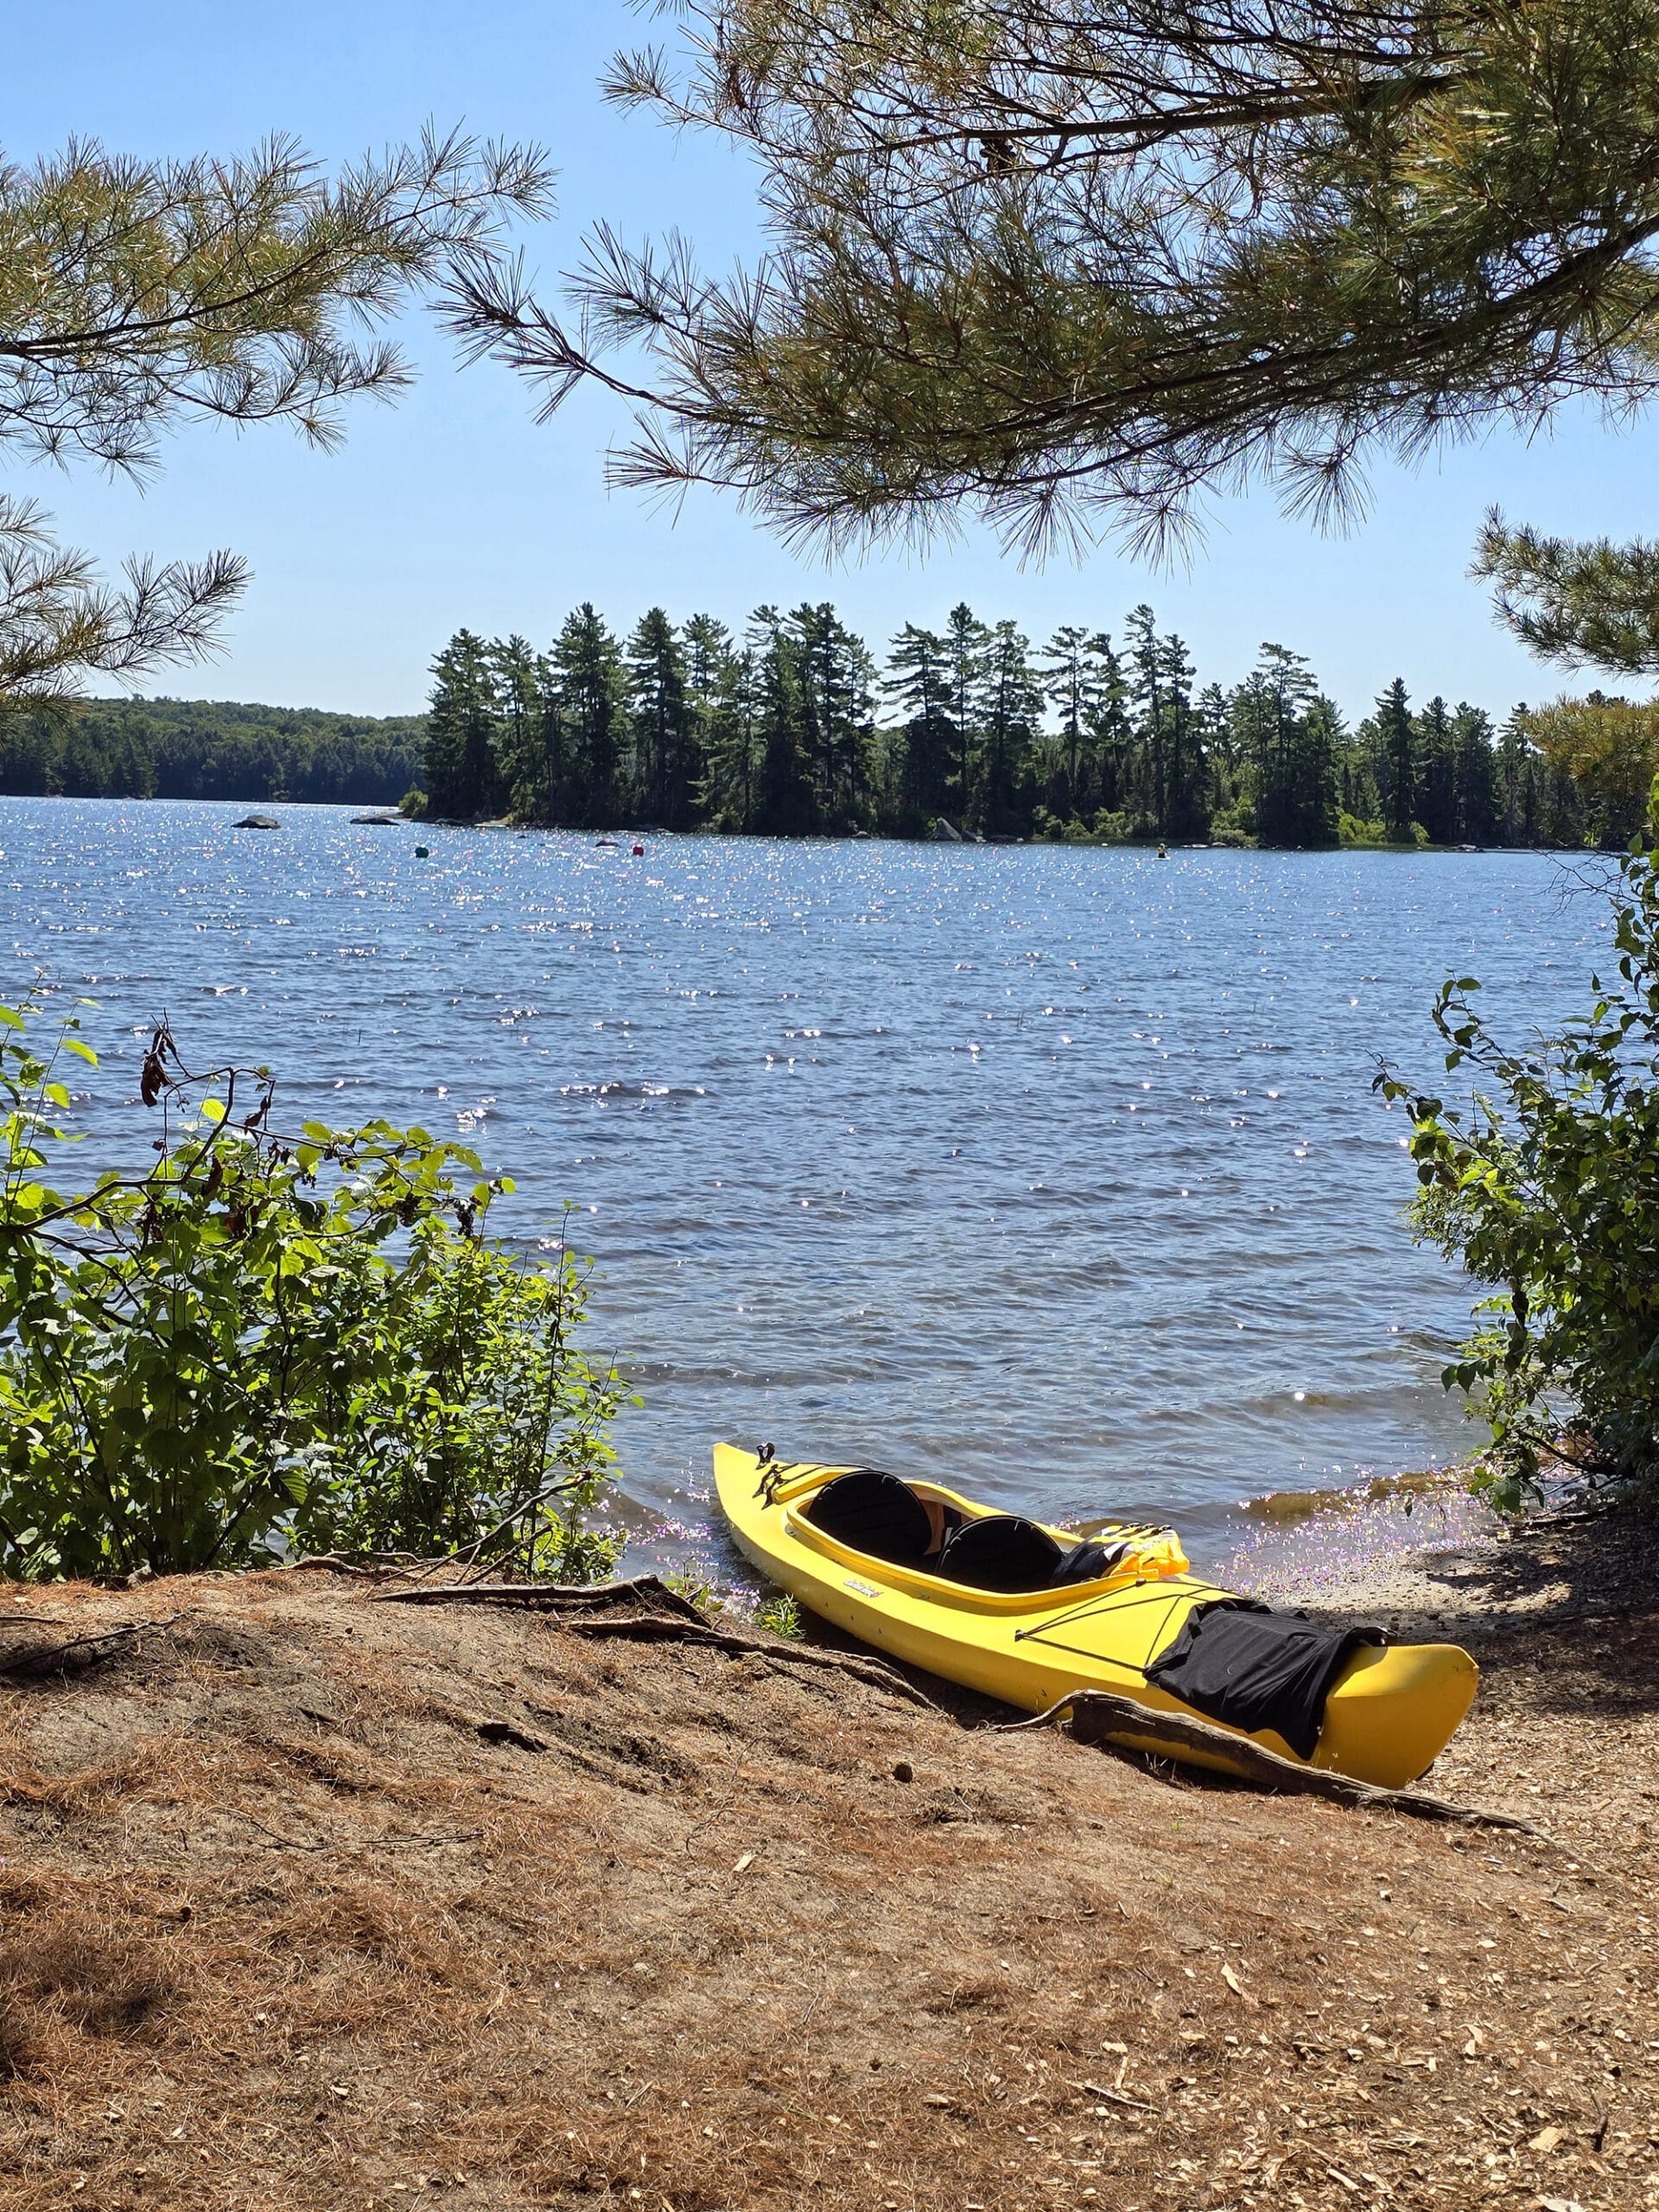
column 925, row 1533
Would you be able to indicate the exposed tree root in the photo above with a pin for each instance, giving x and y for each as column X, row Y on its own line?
column 645, row 1628
column 669, row 1618
column 79, row 1651
column 560, row 1598
column 367, row 1567
column 1097, row 1717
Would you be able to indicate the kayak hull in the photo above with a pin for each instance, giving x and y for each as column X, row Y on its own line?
column 1387, row 1717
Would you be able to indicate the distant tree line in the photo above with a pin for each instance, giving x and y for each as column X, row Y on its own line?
column 792, row 727
column 195, row 748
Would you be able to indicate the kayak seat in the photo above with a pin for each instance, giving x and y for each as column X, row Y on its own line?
column 873, row 1512
column 1005, row 1552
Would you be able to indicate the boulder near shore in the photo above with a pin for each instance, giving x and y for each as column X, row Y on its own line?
column 310, row 1899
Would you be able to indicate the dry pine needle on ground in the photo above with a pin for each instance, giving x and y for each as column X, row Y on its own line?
column 308, row 1901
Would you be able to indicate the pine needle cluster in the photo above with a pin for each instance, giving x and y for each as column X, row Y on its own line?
column 135, row 296
column 1079, row 267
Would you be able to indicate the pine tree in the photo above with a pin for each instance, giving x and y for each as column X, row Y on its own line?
column 1008, row 711
column 1436, row 767
column 1146, row 689
column 1323, row 742
column 664, row 772
column 1215, row 725
column 462, row 776
column 520, row 682
column 708, row 645
column 132, row 769
column 731, row 746
column 785, row 805
column 589, row 692
column 1072, row 681
column 837, row 673
column 1357, row 788
column 1283, row 690
column 1516, row 780
column 137, row 294
column 966, row 642
column 778, row 735
column 1111, row 732
column 1079, row 267
column 918, row 678
column 1183, row 777
column 1472, row 743
column 1394, row 762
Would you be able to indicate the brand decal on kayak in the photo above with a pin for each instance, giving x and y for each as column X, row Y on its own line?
column 864, row 1589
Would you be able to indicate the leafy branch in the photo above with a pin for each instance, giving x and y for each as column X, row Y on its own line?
column 1082, row 268
column 272, row 1339
column 138, row 294
column 1545, row 1187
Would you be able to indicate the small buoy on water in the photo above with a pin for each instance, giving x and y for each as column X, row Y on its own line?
column 638, row 852
column 423, row 852
column 1163, row 852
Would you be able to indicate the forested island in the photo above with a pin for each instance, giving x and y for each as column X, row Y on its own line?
column 792, row 727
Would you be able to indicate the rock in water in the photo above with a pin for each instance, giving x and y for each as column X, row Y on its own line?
column 257, row 821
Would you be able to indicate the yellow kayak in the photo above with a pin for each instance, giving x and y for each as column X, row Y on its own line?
column 1120, row 1610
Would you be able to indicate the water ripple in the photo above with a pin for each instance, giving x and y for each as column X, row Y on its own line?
column 1057, row 1171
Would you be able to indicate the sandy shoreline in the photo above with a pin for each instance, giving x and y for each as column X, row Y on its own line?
column 1435, row 1561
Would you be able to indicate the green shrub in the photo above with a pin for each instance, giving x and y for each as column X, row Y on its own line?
column 1545, row 1185
column 1233, row 825
column 269, row 1342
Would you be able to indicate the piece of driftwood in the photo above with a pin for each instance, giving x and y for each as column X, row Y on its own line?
column 78, row 1651
column 1097, row 1717
column 666, row 1617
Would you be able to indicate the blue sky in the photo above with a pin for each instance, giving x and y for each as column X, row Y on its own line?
column 455, row 508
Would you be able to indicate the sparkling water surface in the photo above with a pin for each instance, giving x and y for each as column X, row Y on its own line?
column 1054, row 1172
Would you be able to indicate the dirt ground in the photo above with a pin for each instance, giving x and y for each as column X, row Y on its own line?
column 308, row 1900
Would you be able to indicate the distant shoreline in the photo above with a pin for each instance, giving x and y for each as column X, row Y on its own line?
column 623, row 832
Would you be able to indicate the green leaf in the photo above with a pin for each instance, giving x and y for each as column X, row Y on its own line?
column 222, row 1365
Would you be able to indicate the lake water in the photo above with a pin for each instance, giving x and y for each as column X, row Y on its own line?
column 1056, row 1173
